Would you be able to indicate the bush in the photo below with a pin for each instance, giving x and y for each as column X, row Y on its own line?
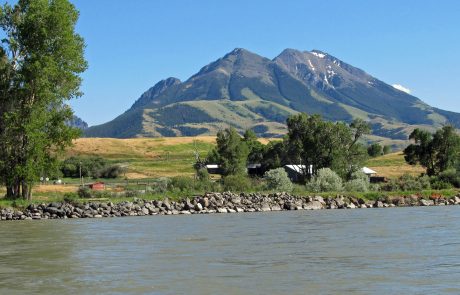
column 357, row 185
column 132, row 194
column 84, row 192
column 236, row 183
column 70, row 197
column 182, row 183
column 450, row 176
column 203, row 174
column 387, row 149
column 425, row 182
column 374, row 187
column 112, row 171
column 439, row 184
column 375, row 150
column 277, row 179
column 408, row 182
column 359, row 182
column 325, row 181
column 204, row 185
column 161, row 185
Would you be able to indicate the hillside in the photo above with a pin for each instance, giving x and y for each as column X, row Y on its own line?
column 148, row 157
column 172, row 156
column 245, row 90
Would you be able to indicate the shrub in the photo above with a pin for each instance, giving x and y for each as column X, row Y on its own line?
column 357, row 185
column 183, row 183
column 277, row 179
column 425, row 182
column 359, row 182
column 325, row 181
column 161, row 185
column 387, row 149
column 374, row 187
column 450, row 176
column 132, row 194
column 375, row 150
column 70, row 197
column 84, row 192
column 112, row 171
column 203, row 174
column 359, row 175
column 408, row 182
column 439, row 184
column 236, row 183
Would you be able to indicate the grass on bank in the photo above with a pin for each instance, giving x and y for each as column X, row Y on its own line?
column 299, row 190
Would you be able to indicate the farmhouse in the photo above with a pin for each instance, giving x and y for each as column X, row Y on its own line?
column 297, row 173
column 255, row 169
column 252, row 169
column 368, row 171
column 213, row 169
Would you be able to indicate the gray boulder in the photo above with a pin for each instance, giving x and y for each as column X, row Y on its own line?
column 313, row 205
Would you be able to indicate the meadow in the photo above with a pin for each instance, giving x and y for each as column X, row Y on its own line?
column 146, row 159
column 174, row 156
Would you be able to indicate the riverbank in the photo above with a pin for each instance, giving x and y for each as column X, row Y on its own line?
column 215, row 203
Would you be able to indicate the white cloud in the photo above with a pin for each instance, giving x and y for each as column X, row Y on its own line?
column 402, row 88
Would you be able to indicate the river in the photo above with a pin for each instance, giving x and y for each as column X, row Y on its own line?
column 367, row 251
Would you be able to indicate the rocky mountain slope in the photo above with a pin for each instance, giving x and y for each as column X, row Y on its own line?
column 245, row 90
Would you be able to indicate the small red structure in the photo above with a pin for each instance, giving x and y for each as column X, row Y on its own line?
column 97, row 186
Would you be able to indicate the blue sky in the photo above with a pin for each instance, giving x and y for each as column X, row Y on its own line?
column 131, row 45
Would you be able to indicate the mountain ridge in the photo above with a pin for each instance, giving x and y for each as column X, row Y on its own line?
column 245, row 90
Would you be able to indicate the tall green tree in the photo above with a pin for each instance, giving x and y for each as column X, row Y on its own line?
column 374, row 150
column 387, row 149
column 275, row 155
column 436, row 152
column 41, row 59
column 323, row 144
column 256, row 148
column 232, row 152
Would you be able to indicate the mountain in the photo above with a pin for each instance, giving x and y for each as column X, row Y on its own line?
column 78, row 123
column 245, row 90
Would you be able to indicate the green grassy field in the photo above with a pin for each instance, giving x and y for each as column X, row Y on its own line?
column 147, row 157
column 173, row 156
column 150, row 158
column 393, row 165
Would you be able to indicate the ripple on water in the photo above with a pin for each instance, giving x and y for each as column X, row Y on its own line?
column 388, row 251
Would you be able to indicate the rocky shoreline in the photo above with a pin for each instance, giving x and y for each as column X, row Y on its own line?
column 215, row 203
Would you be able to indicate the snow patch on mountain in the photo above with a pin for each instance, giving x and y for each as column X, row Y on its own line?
column 320, row 55
column 402, row 88
column 311, row 65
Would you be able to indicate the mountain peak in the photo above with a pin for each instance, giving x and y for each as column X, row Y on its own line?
column 148, row 96
column 240, row 52
column 246, row 90
column 318, row 53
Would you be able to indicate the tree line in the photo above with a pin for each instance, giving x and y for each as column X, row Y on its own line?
column 438, row 153
column 310, row 141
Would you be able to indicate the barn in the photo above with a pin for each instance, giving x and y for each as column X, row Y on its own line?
column 97, row 186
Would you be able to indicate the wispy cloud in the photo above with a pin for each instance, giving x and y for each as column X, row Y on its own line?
column 402, row 88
